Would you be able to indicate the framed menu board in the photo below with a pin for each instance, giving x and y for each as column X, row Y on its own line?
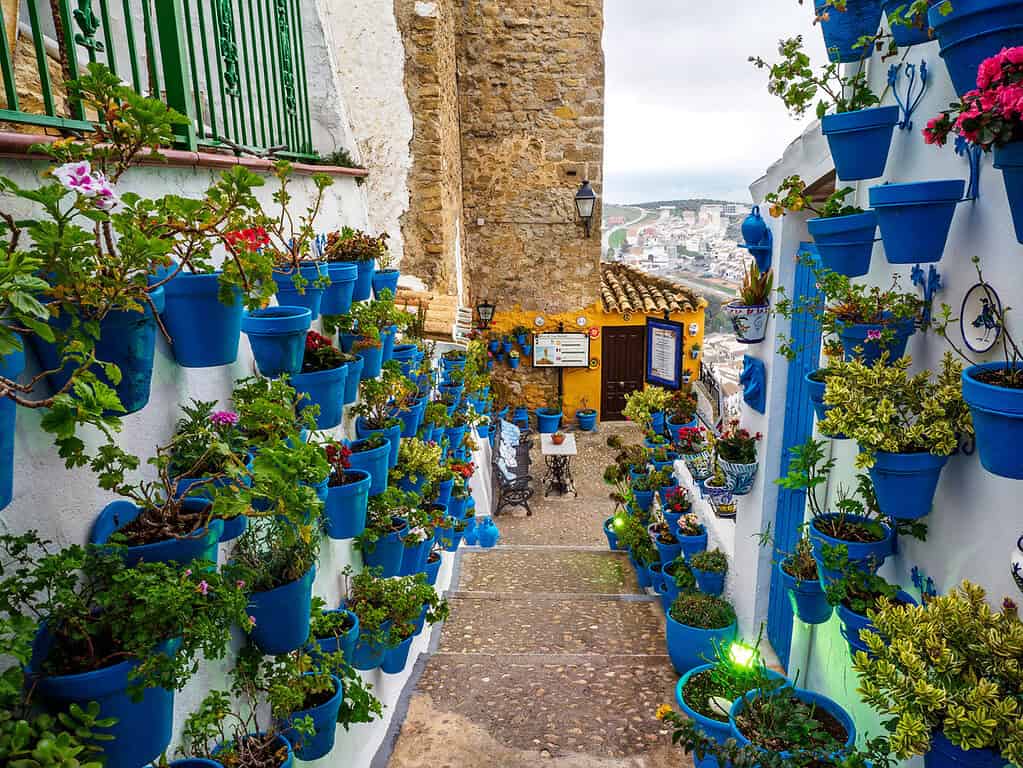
column 561, row 350
column 664, row 340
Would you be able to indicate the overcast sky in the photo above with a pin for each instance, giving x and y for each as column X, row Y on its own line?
column 686, row 114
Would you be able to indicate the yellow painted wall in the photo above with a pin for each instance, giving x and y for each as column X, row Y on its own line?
column 584, row 385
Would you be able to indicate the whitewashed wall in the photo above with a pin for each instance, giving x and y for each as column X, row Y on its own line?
column 974, row 524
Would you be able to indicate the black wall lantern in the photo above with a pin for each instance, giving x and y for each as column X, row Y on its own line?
column 485, row 310
column 585, row 202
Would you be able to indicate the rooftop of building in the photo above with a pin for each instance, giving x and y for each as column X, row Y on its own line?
column 626, row 289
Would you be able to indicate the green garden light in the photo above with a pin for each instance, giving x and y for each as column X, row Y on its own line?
column 742, row 655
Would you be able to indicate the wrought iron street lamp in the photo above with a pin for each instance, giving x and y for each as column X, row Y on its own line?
column 585, row 202
column 485, row 311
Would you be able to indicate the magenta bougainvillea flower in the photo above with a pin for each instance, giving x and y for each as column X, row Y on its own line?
column 224, row 418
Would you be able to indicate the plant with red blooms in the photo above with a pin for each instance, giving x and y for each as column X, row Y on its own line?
column 737, row 445
column 678, row 501
column 321, row 354
column 464, row 469
column 251, row 239
column 691, row 441
column 990, row 115
column 338, row 455
column 681, row 407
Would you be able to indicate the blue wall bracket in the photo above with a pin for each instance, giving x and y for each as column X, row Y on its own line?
column 916, row 76
column 931, row 285
column 754, row 383
column 973, row 153
column 762, row 251
column 924, row 583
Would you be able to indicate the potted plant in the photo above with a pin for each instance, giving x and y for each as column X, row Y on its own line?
column 678, row 578
column 843, row 233
column 413, row 602
column 521, row 334
column 696, row 624
column 737, row 456
column 646, row 407
column 856, row 595
column 907, row 21
column 694, row 351
column 586, row 417
column 634, row 537
column 675, row 503
column 268, row 411
column 845, row 24
column 857, row 532
column 344, row 513
column 692, row 447
column 419, row 465
column 548, row 419
column 915, row 218
column 668, row 546
column 970, row 34
column 800, row 579
column 332, row 630
column 558, row 438
column 680, row 411
column 353, row 246
column 719, row 493
column 375, row 413
column 418, row 539
column 939, row 715
column 91, row 631
column 710, row 568
column 643, row 488
column 816, row 381
column 994, row 393
column 381, row 542
column 369, row 347
column 323, row 378
column 513, row 359
column 385, row 277
column 368, row 596
column 277, row 338
column 859, row 132
column 692, row 535
column 906, row 427
column 750, row 312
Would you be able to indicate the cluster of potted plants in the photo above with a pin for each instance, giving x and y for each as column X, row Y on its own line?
column 502, row 346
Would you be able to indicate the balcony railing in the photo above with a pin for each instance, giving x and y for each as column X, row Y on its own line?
column 236, row 68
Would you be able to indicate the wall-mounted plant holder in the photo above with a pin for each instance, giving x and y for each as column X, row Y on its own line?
column 972, row 153
column 759, row 240
column 923, row 583
column 694, row 329
column 931, row 284
column 754, row 383
column 1016, row 563
column 917, row 78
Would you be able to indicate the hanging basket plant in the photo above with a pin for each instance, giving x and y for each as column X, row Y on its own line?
column 751, row 311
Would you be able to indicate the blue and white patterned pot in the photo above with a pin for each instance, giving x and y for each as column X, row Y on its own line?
column 740, row 477
column 699, row 464
column 717, row 497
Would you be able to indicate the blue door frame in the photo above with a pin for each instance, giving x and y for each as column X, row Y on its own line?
column 791, row 510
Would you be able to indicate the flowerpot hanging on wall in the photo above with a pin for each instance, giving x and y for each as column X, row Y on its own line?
column 866, row 340
column 809, row 603
column 385, row 280
column 277, row 337
column 282, row 615
column 860, row 140
column 345, row 511
column 749, row 323
column 905, row 483
column 337, row 297
column 310, row 296
column 842, row 29
column 325, row 389
column 324, row 722
column 364, row 280
column 845, row 243
column 199, row 545
column 1009, row 160
column 906, row 36
column 974, row 31
column 853, row 623
column 204, row 331
column 864, row 556
column 915, row 218
column 997, row 421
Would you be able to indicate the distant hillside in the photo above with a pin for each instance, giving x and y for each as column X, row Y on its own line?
column 693, row 204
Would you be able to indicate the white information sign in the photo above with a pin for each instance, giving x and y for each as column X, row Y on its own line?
column 561, row 350
column 663, row 353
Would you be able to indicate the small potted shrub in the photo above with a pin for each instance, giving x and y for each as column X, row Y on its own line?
column 419, row 465
column 710, row 568
column 513, row 359
column 548, row 419
column 678, row 578
column 352, row 246
column 385, row 276
column 333, row 630
column 369, row 597
column 668, row 546
column 323, row 378
column 680, row 411
column 633, row 536
column 857, row 532
column 586, row 417
column 696, row 624
column 692, row 535
column 413, row 602
column 646, row 407
column 737, row 457
column 799, row 577
column 375, row 412
column 423, row 521
column 906, row 427
column 369, row 348
column 694, row 351
column 937, row 709
column 344, row 514
column 674, row 504
column 856, row 595
column 751, row 311
column 558, row 438
column 521, row 334
column 381, row 542
column 643, row 488
column 719, row 494
column 691, row 444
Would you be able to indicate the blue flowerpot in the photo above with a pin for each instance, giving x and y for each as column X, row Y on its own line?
column 337, row 297
column 310, row 296
column 905, row 483
column 410, row 421
column 387, row 553
column 364, row 280
column 997, row 422
column 346, row 642
column 353, row 379
column 853, row 336
column 809, row 603
column 324, row 719
column 369, row 653
column 282, row 615
column 845, row 243
column 673, row 426
column 513, row 362
column 447, row 363
column 11, row 367
column 854, row 623
column 690, row 647
column 456, row 507
column 1009, row 160
column 487, row 532
column 277, row 337
column 325, row 389
column 455, row 436
column 739, row 477
column 142, row 730
column 972, row 32
column 809, row 697
column 387, row 335
column 392, row 435
column 372, row 362
column 609, row 532
column 200, row 545
column 375, row 462
column 713, row 729
column 454, row 390
column 906, row 36
column 865, row 556
column 527, row 350
column 233, row 528
column 385, row 280
column 413, row 559
column 204, row 330
column 643, row 499
column 667, row 552
column 860, row 140
column 471, row 535
column 709, row 582
column 915, row 218
column 656, row 576
column 346, row 341
column 548, row 420
column 945, row 754
column 444, row 488
column 195, row 762
column 345, row 511
column 815, row 389
column 433, row 563
column 642, row 573
column 494, row 345
column 843, row 29
column 587, row 420
column 406, row 355
column 657, row 422
column 506, row 346
column 126, row 339
column 692, row 544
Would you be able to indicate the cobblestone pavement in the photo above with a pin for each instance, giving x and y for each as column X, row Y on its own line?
column 551, row 655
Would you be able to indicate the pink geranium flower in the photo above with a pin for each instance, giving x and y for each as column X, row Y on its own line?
column 874, row 335
column 224, row 418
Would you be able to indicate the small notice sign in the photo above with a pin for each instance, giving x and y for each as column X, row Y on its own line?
column 664, row 340
column 561, row 350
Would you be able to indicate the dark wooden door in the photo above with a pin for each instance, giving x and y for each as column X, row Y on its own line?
column 622, row 368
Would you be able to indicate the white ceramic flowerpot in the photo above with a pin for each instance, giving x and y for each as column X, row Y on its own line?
column 749, row 323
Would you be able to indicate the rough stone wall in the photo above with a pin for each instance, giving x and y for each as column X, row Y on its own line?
column 432, row 225
column 531, row 86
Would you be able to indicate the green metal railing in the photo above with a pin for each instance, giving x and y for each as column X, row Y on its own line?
column 236, row 68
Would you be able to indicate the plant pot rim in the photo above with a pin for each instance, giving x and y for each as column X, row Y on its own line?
column 671, row 619
column 280, row 320
column 991, row 397
column 346, row 271
column 917, row 193
column 936, row 19
column 828, row 537
column 829, row 705
column 860, row 119
column 833, row 225
column 915, row 461
column 736, row 306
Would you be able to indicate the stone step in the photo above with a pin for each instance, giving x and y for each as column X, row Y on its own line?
column 537, row 626
column 546, row 570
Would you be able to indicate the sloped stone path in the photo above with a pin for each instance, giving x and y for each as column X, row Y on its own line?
column 551, row 654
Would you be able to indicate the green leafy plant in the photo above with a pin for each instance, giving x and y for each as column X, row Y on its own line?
column 883, row 408
column 268, row 410
column 951, row 665
column 639, row 405
column 354, row 245
column 755, row 290
column 40, row 740
column 704, row 611
column 682, row 574
column 711, row 561
column 418, row 461
column 378, row 394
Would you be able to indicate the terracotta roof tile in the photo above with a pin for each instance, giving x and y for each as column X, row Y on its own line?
column 626, row 289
